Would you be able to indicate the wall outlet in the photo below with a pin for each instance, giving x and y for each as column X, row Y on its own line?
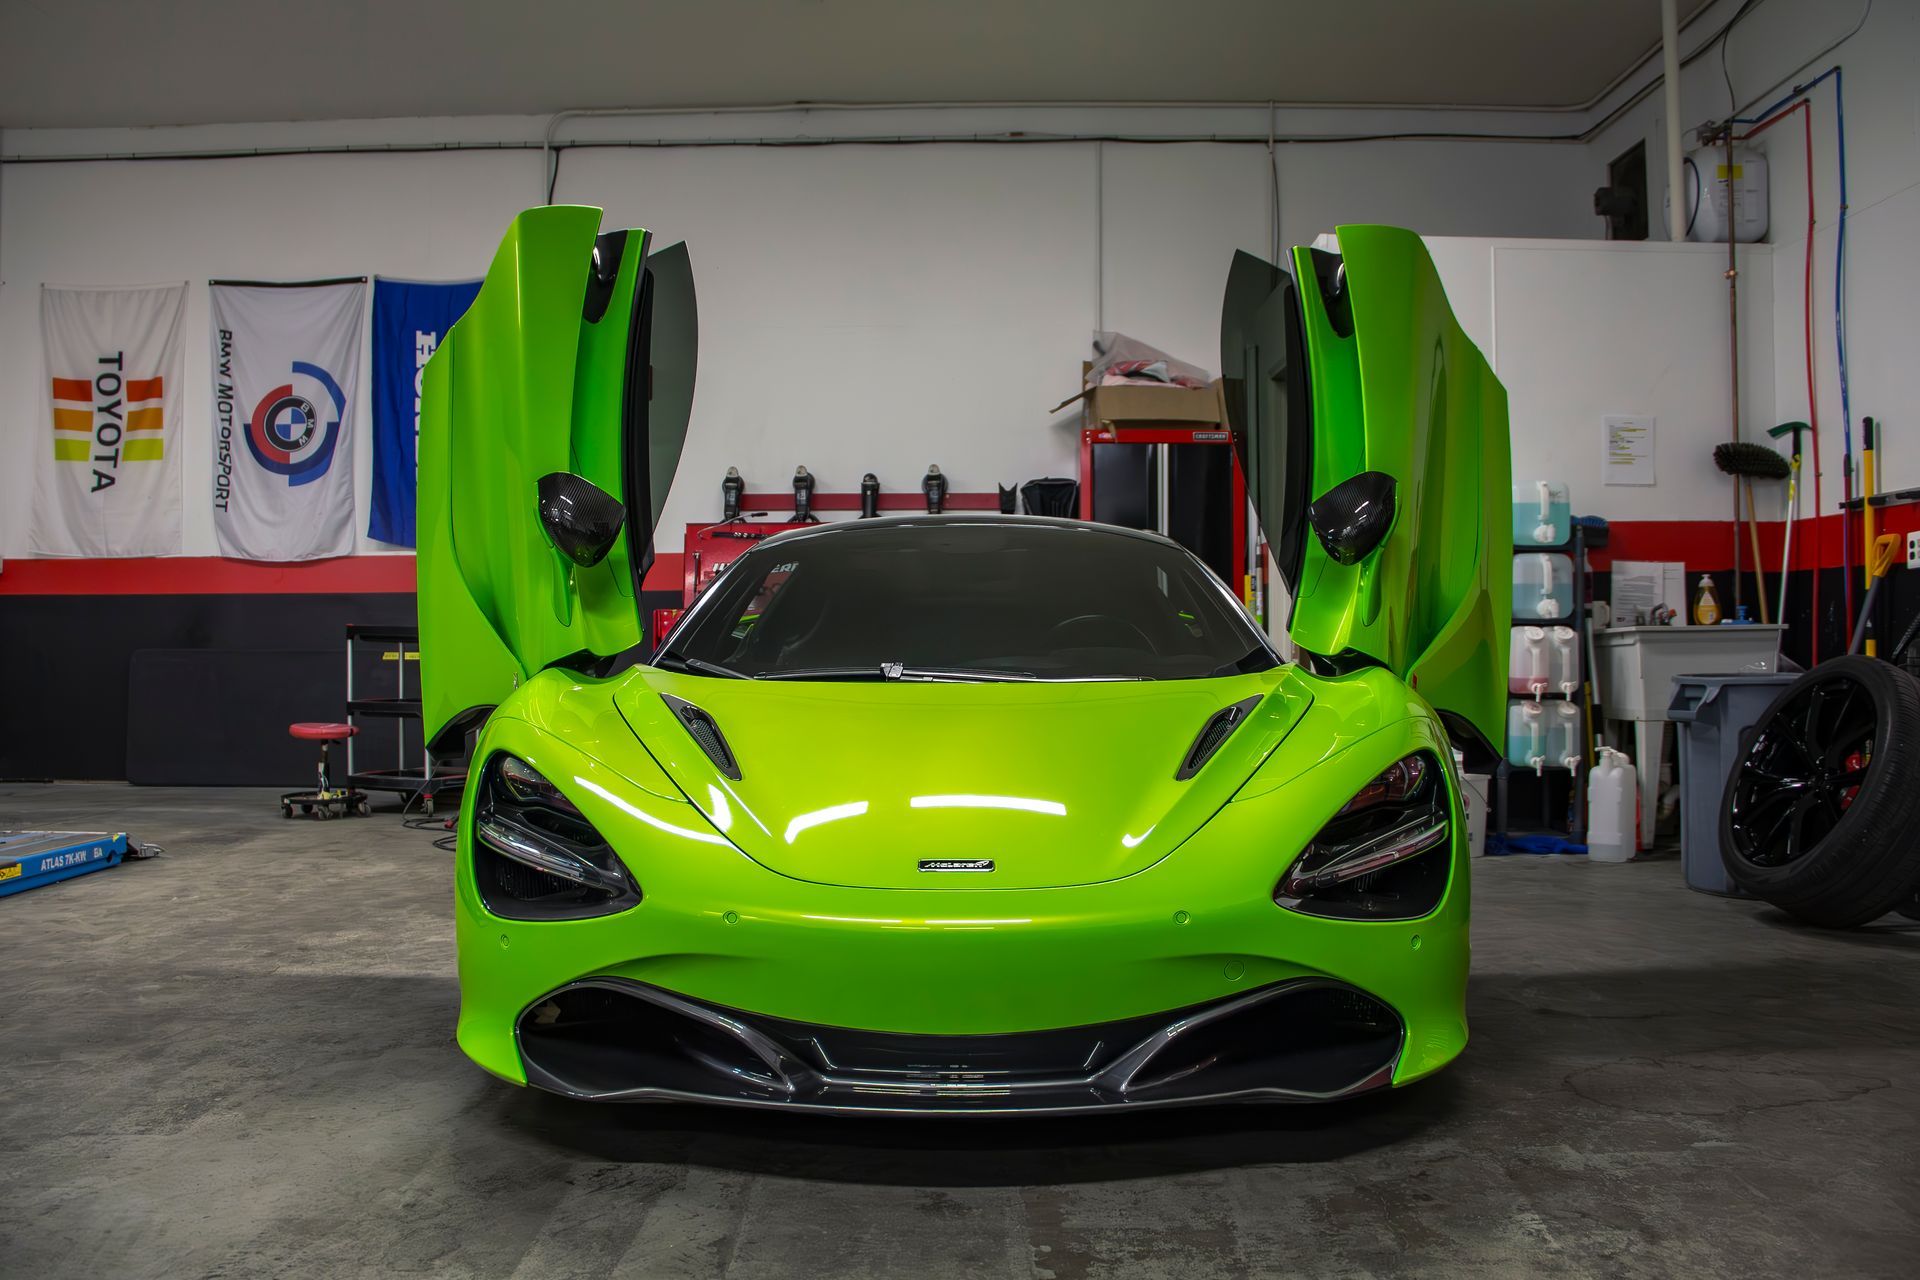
column 1913, row 550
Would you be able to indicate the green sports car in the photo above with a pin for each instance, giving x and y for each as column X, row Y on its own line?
column 962, row 814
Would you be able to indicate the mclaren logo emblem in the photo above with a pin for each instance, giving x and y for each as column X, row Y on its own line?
column 956, row 864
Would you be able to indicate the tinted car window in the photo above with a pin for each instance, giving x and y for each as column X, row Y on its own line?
column 970, row 599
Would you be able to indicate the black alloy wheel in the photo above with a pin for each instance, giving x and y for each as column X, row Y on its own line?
column 1821, row 816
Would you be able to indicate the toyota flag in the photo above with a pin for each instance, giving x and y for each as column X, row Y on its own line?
column 108, row 471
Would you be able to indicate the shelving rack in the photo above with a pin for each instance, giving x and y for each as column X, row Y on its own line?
column 422, row 781
column 1513, row 785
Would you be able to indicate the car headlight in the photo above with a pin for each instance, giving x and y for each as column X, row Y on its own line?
column 1383, row 856
column 535, row 855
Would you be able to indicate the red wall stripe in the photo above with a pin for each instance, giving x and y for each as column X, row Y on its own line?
column 1705, row 546
column 206, row 575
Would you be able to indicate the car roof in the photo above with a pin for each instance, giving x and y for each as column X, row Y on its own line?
column 951, row 519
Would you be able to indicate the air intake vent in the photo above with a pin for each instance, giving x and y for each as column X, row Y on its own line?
column 1213, row 733
column 703, row 730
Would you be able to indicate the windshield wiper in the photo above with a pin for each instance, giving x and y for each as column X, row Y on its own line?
column 898, row 671
column 702, row 666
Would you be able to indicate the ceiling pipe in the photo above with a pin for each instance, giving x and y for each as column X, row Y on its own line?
column 1670, row 67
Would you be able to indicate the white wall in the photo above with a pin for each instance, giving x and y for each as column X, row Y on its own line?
column 1770, row 51
column 862, row 307
column 1581, row 330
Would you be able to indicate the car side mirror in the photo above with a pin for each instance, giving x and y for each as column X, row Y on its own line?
column 1353, row 517
column 582, row 520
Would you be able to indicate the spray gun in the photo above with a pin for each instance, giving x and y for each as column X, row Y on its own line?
column 803, row 497
column 733, row 491
column 869, row 496
column 934, row 486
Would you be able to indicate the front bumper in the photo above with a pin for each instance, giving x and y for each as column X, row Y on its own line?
column 911, row 968
column 1304, row 1040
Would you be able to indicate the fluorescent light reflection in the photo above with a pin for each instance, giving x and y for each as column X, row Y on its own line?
column 627, row 807
column 1022, row 803
column 722, row 814
column 832, row 813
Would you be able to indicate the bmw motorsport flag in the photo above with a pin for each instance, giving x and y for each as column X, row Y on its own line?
column 286, row 359
column 410, row 318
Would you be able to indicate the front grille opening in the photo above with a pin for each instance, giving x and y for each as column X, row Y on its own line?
column 1309, row 1041
column 596, row 1041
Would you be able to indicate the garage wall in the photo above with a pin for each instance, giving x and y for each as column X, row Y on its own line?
column 1772, row 49
column 845, row 290
column 1581, row 330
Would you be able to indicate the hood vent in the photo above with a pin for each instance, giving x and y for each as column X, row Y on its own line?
column 702, row 729
column 1214, row 733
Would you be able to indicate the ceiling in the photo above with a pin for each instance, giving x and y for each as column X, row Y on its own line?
column 136, row 62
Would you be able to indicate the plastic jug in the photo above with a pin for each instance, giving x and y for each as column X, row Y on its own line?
column 1475, row 788
column 1542, row 516
column 1542, row 586
column 1565, row 746
column 1527, row 735
column 1612, row 792
column 1543, row 660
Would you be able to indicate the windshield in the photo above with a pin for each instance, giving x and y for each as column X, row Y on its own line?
column 968, row 600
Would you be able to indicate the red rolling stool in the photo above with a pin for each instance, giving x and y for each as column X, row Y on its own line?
column 323, row 802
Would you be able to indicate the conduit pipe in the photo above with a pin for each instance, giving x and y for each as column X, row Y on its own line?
column 1670, row 68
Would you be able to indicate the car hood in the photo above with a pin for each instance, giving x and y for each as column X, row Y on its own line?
column 1053, row 784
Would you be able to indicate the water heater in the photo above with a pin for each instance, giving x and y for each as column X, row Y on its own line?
column 1705, row 172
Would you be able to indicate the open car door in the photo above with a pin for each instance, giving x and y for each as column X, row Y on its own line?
column 1373, row 437
column 551, row 420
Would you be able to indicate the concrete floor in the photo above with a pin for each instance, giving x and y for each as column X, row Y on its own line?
column 237, row 1060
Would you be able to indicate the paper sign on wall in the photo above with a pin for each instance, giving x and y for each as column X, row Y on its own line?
column 1629, row 449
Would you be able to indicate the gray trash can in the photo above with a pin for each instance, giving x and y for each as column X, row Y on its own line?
column 1713, row 714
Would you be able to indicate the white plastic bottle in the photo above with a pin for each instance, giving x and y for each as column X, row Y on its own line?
column 1612, row 790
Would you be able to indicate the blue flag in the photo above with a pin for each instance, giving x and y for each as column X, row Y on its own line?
column 409, row 321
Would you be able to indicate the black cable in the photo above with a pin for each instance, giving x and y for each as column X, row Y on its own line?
column 1726, row 32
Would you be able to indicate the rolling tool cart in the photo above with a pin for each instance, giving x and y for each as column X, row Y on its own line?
column 423, row 778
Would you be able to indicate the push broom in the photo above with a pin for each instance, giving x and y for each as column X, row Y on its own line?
column 1746, row 463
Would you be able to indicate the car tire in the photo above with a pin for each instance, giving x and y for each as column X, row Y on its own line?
column 1819, row 815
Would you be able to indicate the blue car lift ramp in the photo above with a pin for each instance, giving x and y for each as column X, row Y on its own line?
column 29, row 859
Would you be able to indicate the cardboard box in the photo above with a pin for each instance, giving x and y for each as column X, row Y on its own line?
column 1147, row 406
